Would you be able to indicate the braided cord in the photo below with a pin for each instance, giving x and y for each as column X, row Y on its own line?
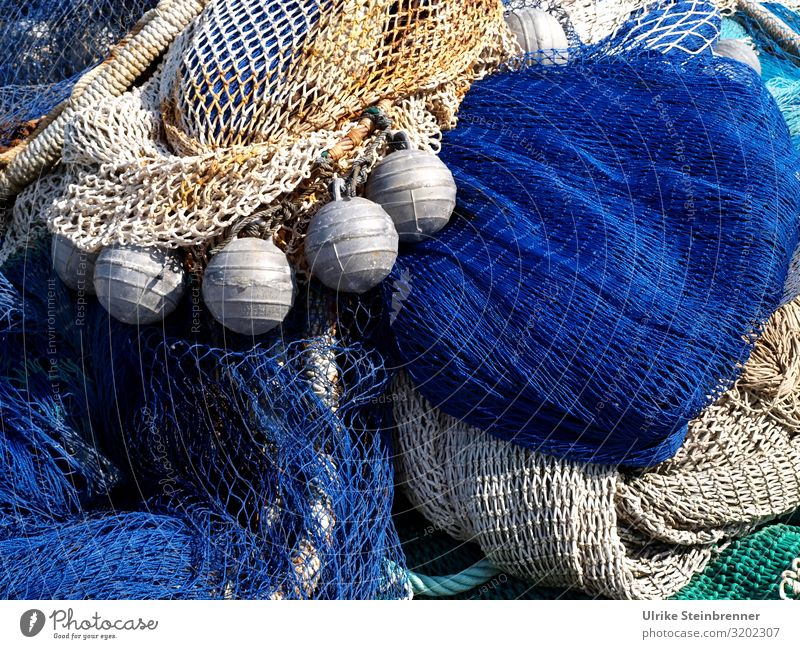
column 262, row 224
column 450, row 585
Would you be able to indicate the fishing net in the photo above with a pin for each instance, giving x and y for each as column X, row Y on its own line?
column 771, row 30
column 159, row 463
column 764, row 565
column 133, row 555
column 205, row 112
column 673, row 29
column 430, row 551
column 594, row 21
column 140, row 464
column 253, row 103
column 608, row 532
column 636, row 205
column 47, row 46
column 779, row 68
column 604, row 531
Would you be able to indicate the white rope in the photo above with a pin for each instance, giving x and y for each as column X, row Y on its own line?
column 790, row 582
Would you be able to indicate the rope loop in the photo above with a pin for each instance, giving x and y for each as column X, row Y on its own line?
column 261, row 224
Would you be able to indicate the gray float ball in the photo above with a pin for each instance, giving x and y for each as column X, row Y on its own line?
column 735, row 49
column 351, row 245
column 73, row 266
column 139, row 285
column 538, row 31
column 249, row 286
column 416, row 189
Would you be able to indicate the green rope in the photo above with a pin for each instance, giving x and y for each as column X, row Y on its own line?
column 450, row 585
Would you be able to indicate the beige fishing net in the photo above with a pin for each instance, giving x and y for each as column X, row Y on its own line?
column 254, row 103
column 608, row 532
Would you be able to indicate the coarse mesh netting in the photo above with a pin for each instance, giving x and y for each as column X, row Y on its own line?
column 283, row 69
column 761, row 565
column 565, row 525
column 593, row 21
column 249, row 96
column 141, row 464
column 159, row 463
column 681, row 28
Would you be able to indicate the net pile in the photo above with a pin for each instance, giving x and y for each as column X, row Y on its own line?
column 558, row 524
column 634, row 206
column 762, row 565
column 601, row 530
column 777, row 66
column 136, row 464
column 612, row 210
column 780, row 61
column 245, row 103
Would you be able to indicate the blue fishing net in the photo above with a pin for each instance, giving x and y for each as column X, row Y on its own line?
column 670, row 27
column 163, row 463
column 624, row 227
column 132, row 555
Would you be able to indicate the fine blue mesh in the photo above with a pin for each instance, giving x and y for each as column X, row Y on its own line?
column 136, row 463
column 117, row 556
column 623, row 228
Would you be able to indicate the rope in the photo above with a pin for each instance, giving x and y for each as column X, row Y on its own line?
column 372, row 119
column 450, row 585
column 780, row 32
column 790, row 581
column 149, row 39
column 261, row 224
